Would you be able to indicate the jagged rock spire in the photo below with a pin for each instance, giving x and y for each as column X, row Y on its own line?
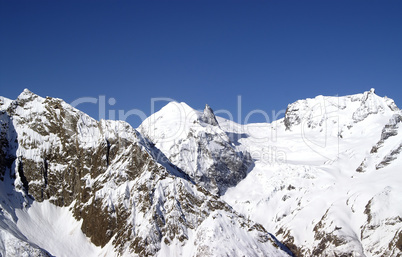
column 209, row 116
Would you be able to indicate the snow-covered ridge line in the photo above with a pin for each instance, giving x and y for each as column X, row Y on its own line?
column 316, row 201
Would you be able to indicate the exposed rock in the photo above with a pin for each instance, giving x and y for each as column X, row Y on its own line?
column 389, row 157
column 208, row 116
column 388, row 134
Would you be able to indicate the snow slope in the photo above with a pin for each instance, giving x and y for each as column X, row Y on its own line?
column 315, row 198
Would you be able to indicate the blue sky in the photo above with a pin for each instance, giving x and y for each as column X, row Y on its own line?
column 271, row 53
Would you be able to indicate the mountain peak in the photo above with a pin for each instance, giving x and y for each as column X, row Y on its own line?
column 26, row 90
column 369, row 94
column 208, row 116
column 4, row 103
column 355, row 107
column 174, row 106
column 26, row 94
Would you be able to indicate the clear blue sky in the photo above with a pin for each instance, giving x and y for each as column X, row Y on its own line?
column 270, row 52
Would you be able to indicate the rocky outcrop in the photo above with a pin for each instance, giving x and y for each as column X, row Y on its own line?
column 382, row 225
column 208, row 116
column 387, row 148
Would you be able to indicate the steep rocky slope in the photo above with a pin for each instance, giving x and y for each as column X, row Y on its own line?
column 118, row 192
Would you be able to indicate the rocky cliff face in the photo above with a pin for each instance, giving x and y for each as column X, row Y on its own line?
column 121, row 188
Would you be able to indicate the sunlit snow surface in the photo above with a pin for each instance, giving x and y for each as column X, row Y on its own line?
column 54, row 229
column 310, row 175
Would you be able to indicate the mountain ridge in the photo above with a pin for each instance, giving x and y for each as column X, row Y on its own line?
column 324, row 180
column 128, row 198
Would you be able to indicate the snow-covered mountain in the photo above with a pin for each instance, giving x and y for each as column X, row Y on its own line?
column 324, row 181
column 337, row 190
column 195, row 143
column 74, row 186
